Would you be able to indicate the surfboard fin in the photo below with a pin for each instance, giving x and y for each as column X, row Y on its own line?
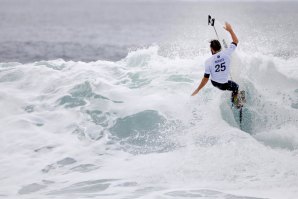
column 211, row 20
column 240, row 118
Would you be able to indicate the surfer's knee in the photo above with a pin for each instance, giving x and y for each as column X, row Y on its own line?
column 233, row 86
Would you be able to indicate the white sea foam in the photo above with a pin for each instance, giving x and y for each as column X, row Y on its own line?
column 129, row 129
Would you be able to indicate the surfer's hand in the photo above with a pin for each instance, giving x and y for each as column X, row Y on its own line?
column 202, row 84
column 228, row 27
column 194, row 93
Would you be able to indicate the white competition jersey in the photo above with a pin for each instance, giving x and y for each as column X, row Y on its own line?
column 218, row 66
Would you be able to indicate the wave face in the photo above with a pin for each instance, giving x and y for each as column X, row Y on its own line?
column 129, row 129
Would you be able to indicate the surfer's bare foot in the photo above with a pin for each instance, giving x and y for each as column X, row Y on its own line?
column 234, row 97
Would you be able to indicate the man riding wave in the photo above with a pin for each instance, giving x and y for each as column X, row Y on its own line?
column 218, row 66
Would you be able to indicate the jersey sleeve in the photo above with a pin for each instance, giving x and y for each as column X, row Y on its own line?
column 207, row 70
column 231, row 49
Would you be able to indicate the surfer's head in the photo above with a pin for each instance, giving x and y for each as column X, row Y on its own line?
column 215, row 46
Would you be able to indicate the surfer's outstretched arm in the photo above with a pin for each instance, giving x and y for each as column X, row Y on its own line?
column 229, row 28
column 202, row 84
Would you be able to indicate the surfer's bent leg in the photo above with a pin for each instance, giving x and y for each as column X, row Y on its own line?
column 232, row 86
column 219, row 85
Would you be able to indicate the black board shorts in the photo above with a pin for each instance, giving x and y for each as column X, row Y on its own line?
column 230, row 86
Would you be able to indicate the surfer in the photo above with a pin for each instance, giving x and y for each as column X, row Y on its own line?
column 218, row 66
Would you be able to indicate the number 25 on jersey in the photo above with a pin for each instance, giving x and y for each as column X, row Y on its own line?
column 220, row 67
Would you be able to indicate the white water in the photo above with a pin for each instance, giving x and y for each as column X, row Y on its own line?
column 129, row 129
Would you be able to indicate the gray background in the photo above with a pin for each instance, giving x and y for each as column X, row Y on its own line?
column 89, row 30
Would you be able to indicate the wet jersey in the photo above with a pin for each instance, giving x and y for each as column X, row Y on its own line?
column 218, row 66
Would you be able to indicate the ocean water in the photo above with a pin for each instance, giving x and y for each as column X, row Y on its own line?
column 95, row 101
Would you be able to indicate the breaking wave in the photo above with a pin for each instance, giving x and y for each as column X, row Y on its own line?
column 130, row 129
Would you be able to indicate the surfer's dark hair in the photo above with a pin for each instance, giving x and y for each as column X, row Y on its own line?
column 215, row 45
